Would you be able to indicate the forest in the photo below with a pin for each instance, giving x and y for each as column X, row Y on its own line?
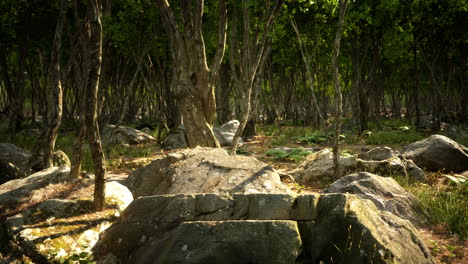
column 313, row 89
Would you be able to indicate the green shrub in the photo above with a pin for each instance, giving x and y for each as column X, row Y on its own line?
column 296, row 154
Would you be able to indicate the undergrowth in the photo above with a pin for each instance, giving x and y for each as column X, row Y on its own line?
column 448, row 206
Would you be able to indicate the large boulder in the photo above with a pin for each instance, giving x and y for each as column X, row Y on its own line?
column 259, row 228
column 59, row 159
column 122, row 135
column 204, row 170
column 57, row 229
column 436, row 153
column 385, row 193
column 225, row 133
column 25, row 190
column 382, row 161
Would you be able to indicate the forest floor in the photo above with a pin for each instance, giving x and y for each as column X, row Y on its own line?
column 445, row 246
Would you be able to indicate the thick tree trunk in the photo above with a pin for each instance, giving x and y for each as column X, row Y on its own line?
column 192, row 79
column 338, row 95
column 55, row 98
column 92, row 128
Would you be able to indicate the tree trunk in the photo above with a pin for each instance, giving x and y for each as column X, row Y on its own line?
column 338, row 95
column 55, row 98
column 92, row 128
column 246, row 62
column 193, row 81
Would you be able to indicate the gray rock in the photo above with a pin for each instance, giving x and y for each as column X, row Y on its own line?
column 56, row 229
column 176, row 140
column 13, row 154
column 320, row 165
column 385, row 193
column 59, row 159
column 122, row 135
column 22, row 190
column 231, row 126
column 382, row 161
column 436, row 153
column 146, row 130
column 225, row 133
column 8, row 171
column 378, row 154
column 259, row 228
column 204, row 170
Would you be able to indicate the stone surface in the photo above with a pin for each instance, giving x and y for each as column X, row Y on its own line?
column 59, row 159
column 204, row 170
column 259, row 228
column 352, row 230
column 122, row 135
column 382, row 161
column 22, row 190
column 225, row 133
column 56, row 229
column 118, row 194
column 385, row 193
column 17, row 163
column 436, row 153
column 176, row 140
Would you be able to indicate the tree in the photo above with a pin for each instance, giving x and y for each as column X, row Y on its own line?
column 246, row 62
column 192, row 80
column 92, row 127
column 336, row 83
column 55, row 98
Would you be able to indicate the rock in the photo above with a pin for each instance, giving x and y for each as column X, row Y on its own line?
column 118, row 194
column 176, row 140
column 16, row 163
column 57, row 229
column 204, row 170
column 146, row 130
column 352, row 230
column 15, row 155
column 59, row 159
column 22, row 190
column 379, row 154
column 225, row 133
column 320, row 165
column 259, row 228
column 122, row 135
column 437, row 153
column 231, row 126
column 382, row 161
column 33, row 132
column 385, row 193
column 8, row 171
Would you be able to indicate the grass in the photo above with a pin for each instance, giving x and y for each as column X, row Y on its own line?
column 448, row 207
column 393, row 137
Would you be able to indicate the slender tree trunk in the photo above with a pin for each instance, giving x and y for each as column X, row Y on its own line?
column 338, row 95
column 55, row 98
column 92, row 128
column 245, row 64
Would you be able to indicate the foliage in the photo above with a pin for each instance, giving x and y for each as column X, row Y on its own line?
column 296, row 154
column 447, row 207
column 393, row 137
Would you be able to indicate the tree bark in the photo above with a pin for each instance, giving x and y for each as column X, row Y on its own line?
column 338, row 95
column 193, row 81
column 92, row 128
column 246, row 63
column 55, row 98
